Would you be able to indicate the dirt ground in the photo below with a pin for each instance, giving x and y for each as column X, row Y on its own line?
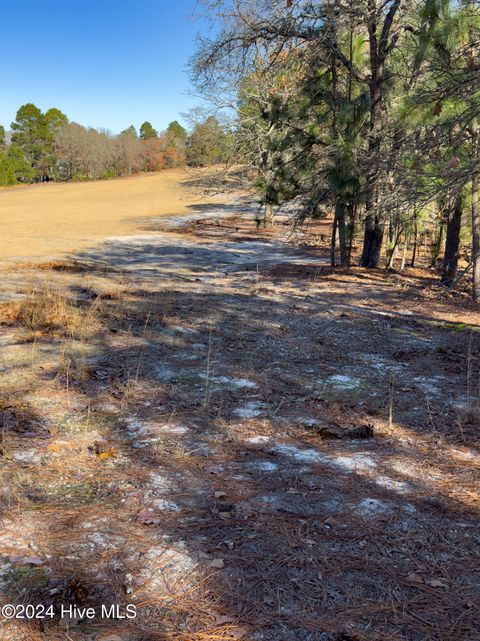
column 208, row 422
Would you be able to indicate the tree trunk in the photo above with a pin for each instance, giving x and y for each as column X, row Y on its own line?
column 333, row 241
column 268, row 216
column 452, row 242
column 436, row 244
column 392, row 248
column 415, row 238
column 373, row 237
column 475, row 240
column 379, row 49
column 374, row 226
column 351, row 232
column 405, row 250
column 342, row 232
column 372, row 242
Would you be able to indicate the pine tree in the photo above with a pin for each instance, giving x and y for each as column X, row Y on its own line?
column 34, row 133
column 208, row 144
column 175, row 131
column 147, row 131
column 129, row 131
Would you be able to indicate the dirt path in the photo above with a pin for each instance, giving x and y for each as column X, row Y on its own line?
column 243, row 444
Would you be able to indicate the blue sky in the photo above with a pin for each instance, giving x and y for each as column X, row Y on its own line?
column 104, row 63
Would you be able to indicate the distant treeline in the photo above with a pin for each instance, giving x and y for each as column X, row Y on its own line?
column 46, row 146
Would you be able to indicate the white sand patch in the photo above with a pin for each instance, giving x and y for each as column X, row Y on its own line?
column 343, row 382
column 173, row 429
column 380, row 364
column 99, row 540
column 302, row 456
column 109, row 407
column 355, row 462
column 160, row 481
column 166, row 565
column 359, row 461
column 166, row 506
column 186, row 357
column 31, row 457
column 155, row 431
column 227, row 381
column 401, row 487
column 308, row 421
column 251, row 409
column 263, row 466
column 257, row 440
column 371, row 507
column 134, row 425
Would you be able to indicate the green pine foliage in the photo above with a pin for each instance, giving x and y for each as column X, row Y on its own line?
column 147, row 131
column 209, row 144
column 33, row 133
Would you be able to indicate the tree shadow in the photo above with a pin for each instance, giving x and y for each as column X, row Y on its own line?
column 217, row 508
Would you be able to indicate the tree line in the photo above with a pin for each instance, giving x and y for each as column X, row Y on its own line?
column 45, row 146
column 364, row 111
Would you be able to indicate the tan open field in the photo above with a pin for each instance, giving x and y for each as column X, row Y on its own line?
column 53, row 219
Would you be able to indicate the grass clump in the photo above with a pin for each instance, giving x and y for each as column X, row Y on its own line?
column 69, row 266
column 51, row 312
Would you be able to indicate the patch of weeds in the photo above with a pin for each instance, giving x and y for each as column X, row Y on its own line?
column 408, row 332
column 26, row 579
column 459, row 327
column 80, row 493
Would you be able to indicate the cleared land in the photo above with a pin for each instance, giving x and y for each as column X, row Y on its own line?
column 51, row 219
column 212, row 424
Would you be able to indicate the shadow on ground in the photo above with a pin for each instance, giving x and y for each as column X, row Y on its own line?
column 204, row 460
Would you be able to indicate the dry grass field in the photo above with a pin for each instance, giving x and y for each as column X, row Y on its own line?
column 49, row 219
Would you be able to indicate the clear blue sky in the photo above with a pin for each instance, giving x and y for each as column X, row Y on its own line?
column 104, row 63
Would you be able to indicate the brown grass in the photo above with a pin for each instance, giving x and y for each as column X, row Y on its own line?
column 49, row 311
column 68, row 266
column 51, row 219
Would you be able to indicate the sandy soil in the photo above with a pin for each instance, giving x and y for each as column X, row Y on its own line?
column 51, row 219
column 241, row 441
